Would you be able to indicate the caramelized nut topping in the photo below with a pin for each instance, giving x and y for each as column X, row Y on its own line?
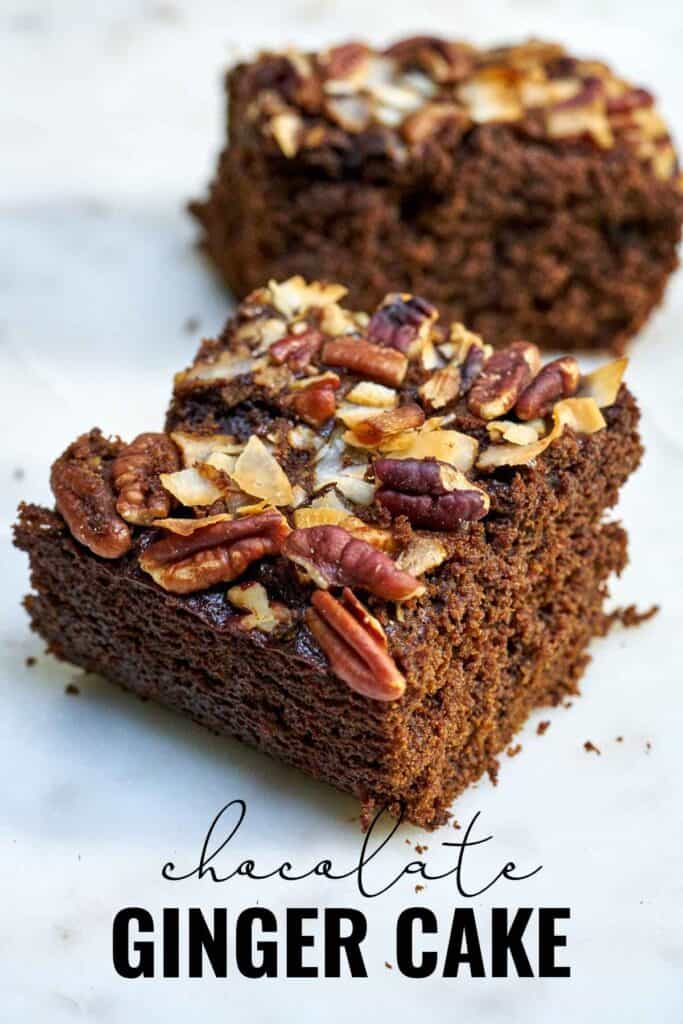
column 141, row 496
column 355, row 646
column 558, row 379
column 217, row 553
column 386, row 424
column 333, row 558
column 504, row 376
column 384, row 365
column 297, row 350
column 81, row 483
column 400, row 321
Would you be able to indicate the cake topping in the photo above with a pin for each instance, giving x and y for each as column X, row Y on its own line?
column 81, row 483
column 215, row 553
column 261, row 614
column 423, row 85
column 503, row 378
column 332, row 557
column 355, row 645
column 558, row 379
column 142, row 497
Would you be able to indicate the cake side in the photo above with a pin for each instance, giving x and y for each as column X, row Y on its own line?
column 524, row 191
column 367, row 545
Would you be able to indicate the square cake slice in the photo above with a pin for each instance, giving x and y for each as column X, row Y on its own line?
column 527, row 192
column 366, row 544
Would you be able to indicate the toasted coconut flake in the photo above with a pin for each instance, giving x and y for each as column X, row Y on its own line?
column 286, row 130
column 303, row 438
column 266, row 333
column 295, row 296
column 196, row 448
column 331, row 499
column 299, row 495
column 186, row 527
column 603, row 384
column 336, row 321
column 254, row 509
column 380, row 538
column 191, row 488
column 459, row 450
column 263, row 615
column 429, row 356
column 515, row 433
column 319, row 516
column 421, row 555
column 492, row 95
column 221, row 461
column 367, row 393
column 359, row 492
column 590, row 119
column 460, row 342
column 350, row 414
column 258, row 473
column 227, row 366
column 581, row 414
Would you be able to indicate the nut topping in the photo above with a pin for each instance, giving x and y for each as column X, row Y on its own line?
column 81, row 483
column 441, row 388
column 135, row 472
column 504, row 376
column 384, row 365
column 217, row 553
column 401, row 321
column 378, row 428
column 355, row 645
column 432, row 495
column 262, row 614
column 558, row 379
column 297, row 350
column 316, row 403
column 332, row 557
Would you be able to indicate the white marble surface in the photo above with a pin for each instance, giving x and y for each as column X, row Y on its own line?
column 109, row 120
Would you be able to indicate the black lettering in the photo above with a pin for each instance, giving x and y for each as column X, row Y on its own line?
column 297, row 942
column 123, row 965
column 212, row 941
column 244, row 944
column 506, row 940
column 405, row 959
column 334, row 942
column 549, row 940
column 464, row 928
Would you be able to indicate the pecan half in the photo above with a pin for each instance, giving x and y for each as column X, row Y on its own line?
column 444, row 61
column 558, row 379
column 355, row 645
column 400, row 320
column 217, row 553
column 431, row 494
column 504, row 376
column 471, row 368
column 316, row 403
column 81, row 483
column 333, row 558
column 378, row 428
column 141, row 497
column 372, row 362
column 297, row 350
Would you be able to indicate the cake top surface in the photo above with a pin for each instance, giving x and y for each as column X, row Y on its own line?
column 424, row 88
column 356, row 449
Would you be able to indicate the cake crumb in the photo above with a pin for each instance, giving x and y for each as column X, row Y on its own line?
column 619, row 739
column 542, row 727
column 590, row 748
column 648, row 746
column 568, row 704
column 456, row 823
column 72, row 690
column 30, row 661
column 513, row 751
column 420, row 849
column 408, row 842
column 388, row 965
column 630, row 617
column 419, row 888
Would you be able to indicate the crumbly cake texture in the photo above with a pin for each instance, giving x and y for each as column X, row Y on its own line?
column 526, row 192
column 368, row 545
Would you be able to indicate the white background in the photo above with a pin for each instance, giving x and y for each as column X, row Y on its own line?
column 109, row 120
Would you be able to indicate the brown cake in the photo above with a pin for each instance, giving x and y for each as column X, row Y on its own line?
column 368, row 546
column 526, row 192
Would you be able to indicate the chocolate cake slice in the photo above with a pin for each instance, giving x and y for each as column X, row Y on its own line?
column 528, row 193
column 367, row 545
